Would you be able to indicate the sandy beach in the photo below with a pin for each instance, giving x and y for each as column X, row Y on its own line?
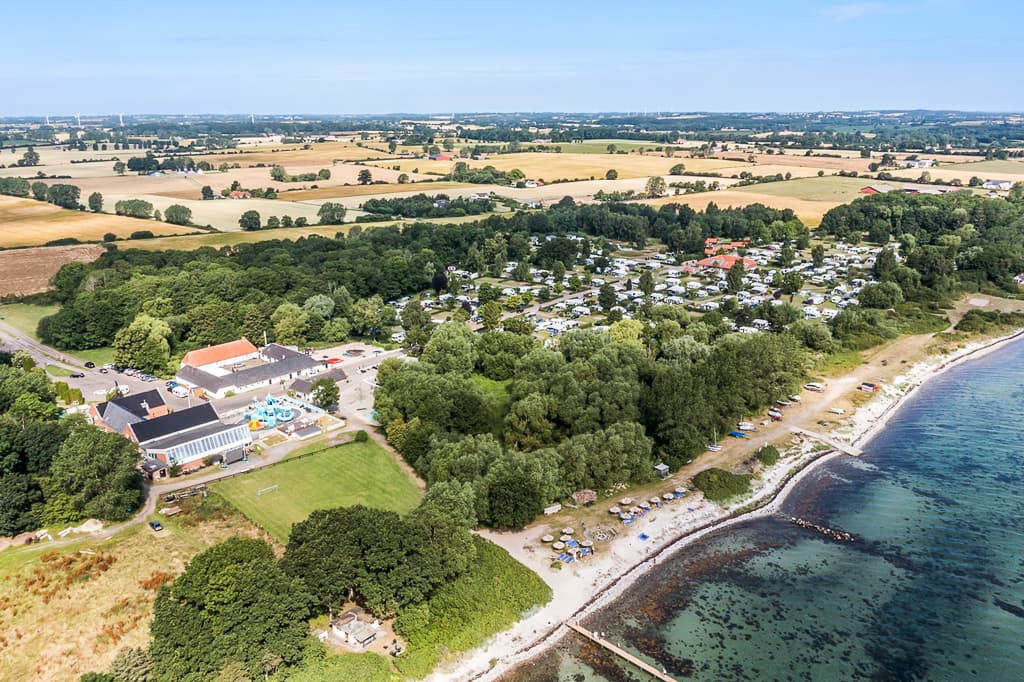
column 585, row 586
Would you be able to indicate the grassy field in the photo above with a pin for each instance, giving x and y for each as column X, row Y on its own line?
column 829, row 188
column 986, row 170
column 64, row 612
column 224, row 215
column 367, row 190
column 25, row 222
column 356, row 473
column 219, row 239
column 24, row 317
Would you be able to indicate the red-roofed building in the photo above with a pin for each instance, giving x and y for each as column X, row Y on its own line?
column 237, row 351
column 713, row 245
column 726, row 262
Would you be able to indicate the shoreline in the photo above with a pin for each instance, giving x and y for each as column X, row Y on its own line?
column 544, row 628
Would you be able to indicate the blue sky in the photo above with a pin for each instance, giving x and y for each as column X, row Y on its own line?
column 315, row 56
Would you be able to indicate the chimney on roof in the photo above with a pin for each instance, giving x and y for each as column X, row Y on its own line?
column 145, row 406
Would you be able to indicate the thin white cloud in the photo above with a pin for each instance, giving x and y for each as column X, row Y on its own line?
column 851, row 11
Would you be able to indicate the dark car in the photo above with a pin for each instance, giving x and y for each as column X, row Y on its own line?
column 103, row 370
column 90, row 365
column 77, row 375
column 156, row 525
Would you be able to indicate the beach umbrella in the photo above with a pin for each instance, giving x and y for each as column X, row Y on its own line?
column 568, row 531
column 614, row 510
column 668, row 496
column 680, row 491
column 547, row 538
column 655, row 500
column 587, row 543
column 626, row 501
column 558, row 545
column 565, row 538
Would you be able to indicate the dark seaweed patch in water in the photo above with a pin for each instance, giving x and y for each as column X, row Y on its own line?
column 1008, row 607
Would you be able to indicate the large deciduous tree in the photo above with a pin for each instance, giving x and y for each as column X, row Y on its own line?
column 96, row 471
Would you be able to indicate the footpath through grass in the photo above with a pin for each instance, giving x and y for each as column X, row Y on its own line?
column 346, row 475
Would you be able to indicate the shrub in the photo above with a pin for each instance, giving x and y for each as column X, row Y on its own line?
column 768, row 455
column 362, row 436
column 719, row 485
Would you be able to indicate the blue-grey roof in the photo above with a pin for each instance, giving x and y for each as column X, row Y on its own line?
column 131, row 409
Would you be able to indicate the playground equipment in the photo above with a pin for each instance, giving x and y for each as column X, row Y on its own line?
column 269, row 413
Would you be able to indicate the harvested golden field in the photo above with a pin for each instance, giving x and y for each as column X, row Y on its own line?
column 68, row 610
column 223, row 214
column 29, row 271
column 25, row 222
column 791, row 159
column 324, row 193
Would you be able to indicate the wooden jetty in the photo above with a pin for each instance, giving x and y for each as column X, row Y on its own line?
column 625, row 655
column 845, row 448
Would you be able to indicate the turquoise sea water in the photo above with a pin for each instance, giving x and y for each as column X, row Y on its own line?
column 932, row 588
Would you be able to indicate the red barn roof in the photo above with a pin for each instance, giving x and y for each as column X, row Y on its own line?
column 218, row 353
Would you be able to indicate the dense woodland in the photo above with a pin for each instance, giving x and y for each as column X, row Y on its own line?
column 56, row 470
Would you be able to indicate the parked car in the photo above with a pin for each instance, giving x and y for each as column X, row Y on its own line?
column 170, row 384
column 90, row 365
column 103, row 370
column 78, row 375
column 156, row 525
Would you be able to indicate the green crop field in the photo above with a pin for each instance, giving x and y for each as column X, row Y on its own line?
column 828, row 188
column 355, row 473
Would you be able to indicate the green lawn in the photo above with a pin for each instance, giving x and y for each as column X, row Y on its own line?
column 100, row 356
column 355, row 473
column 24, row 317
column 55, row 371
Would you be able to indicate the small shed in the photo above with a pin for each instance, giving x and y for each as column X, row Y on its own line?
column 662, row 471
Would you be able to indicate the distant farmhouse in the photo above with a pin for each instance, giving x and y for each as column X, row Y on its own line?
column 918, row 163
column 239, row 366
column 999, row 185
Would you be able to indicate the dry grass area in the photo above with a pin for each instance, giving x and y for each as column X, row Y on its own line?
column 25, row 222
column 29, row 271
column 68, row 610
column 323, row 153
column 324, row 193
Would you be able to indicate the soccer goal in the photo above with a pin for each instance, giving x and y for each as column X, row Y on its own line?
column 264, row 491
